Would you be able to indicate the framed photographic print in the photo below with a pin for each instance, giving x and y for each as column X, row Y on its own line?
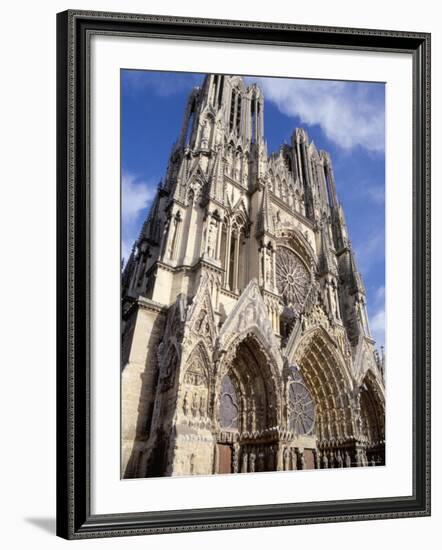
column 243, row 274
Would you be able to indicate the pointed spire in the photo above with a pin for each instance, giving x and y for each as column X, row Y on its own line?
column 313, row 149
column 181, row 178
column 149, row 227
column 356, row 282
column 327, row 265
column 340, row 228
column 128, row 269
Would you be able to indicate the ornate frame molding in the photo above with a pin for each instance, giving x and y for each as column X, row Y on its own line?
column 74, row 30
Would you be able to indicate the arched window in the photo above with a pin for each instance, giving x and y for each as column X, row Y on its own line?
column 235, row 111
column 328, row 187
column 220, row 91
column 233, row 241
column 223, row 252
column 253, row 119
column 214, row 89
column 232, row 110
column 235, row 276
column 238, row 114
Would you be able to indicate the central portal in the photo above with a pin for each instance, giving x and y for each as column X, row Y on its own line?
column 247, row 412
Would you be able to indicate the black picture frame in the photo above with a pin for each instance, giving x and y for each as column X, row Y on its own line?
column 74, row 518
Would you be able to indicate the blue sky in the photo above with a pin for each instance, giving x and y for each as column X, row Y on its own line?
column 347, row 119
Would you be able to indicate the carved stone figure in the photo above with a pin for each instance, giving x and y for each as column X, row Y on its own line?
column 186, row 407
column 211, row 238
column 286, row 459
column 244, row 462
column 252, row 458
column 339, row 460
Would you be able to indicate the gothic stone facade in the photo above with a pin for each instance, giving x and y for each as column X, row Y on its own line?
column 245, row 341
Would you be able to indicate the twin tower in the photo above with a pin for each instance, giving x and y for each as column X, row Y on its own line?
column 245, row 338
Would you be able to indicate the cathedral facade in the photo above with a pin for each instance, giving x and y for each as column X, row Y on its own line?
column 245, row 338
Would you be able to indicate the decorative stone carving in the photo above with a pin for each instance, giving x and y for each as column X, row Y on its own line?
column 244, row 462
column 252, row 458
column 250, row 314
column 195, row 375
column 301, row 408
column 228, row 410
column 212, row 233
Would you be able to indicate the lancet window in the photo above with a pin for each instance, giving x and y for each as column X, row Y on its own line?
column 253, row 115
column 233, row 242
column 235, row 111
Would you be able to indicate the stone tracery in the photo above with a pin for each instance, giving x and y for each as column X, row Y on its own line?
column 301, row 407
column 292, row 278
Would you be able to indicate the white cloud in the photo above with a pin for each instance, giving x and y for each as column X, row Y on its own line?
column 377, row 326
column 350, row 114
column 136, row 196
column 376, row 193
column 377, row 320
column 369, row 251
column 126, row 248
column 380, row 295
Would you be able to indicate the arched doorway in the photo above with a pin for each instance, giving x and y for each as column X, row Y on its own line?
column 372, row 421
column 328, row 381
column 247, row 410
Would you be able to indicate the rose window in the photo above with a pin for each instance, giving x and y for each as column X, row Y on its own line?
column 292, row 278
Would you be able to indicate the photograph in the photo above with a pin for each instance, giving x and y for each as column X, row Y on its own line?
column 223, row 256
column 252, row 274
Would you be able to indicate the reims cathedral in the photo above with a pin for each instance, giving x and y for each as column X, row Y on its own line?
column 245, row 338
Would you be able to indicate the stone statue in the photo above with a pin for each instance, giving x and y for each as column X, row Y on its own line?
column 252, row 462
